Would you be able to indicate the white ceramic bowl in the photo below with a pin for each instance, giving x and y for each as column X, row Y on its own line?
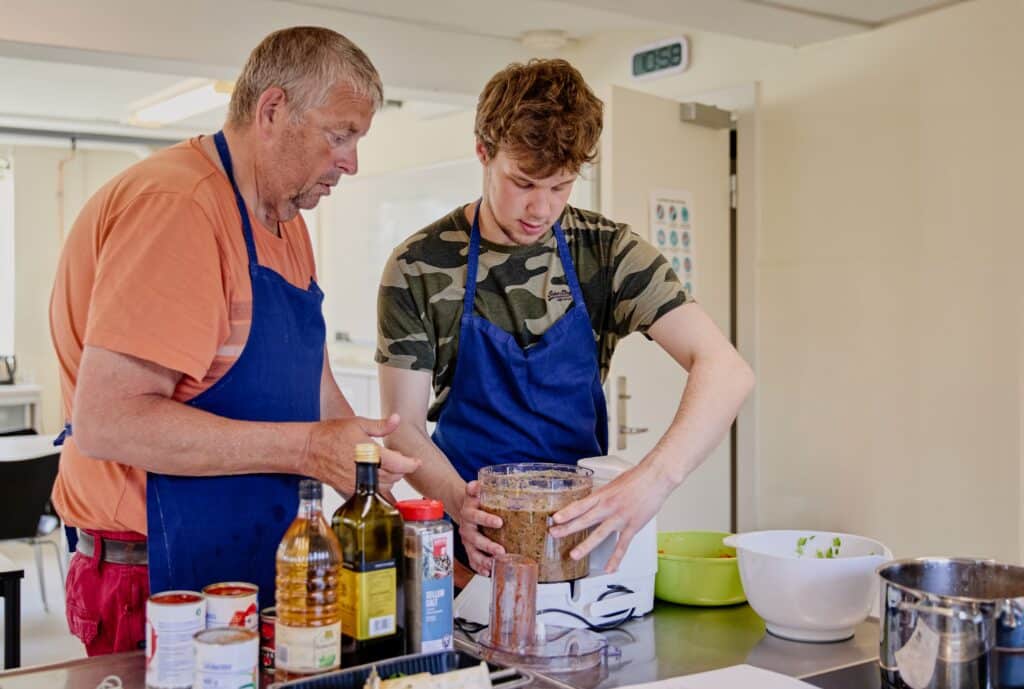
column 801, row 595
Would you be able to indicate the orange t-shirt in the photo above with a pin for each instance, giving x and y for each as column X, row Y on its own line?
column 155, row 267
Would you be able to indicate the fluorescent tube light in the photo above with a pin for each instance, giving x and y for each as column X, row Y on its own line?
column 185, row 104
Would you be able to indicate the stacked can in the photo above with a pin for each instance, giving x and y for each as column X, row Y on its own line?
column 268, row 620
column 226, row 658
column 172, row 619
column 231, row 604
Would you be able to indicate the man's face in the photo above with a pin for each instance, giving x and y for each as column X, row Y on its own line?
column 523, row 207
column 306, row 157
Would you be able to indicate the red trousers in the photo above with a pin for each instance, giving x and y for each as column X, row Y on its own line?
column 106, row 601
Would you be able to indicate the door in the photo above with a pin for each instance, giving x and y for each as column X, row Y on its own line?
column 648, row 149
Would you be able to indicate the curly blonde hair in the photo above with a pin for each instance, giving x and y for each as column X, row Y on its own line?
column 543, row 115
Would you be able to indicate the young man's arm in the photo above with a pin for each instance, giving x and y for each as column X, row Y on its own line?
column 719, row 380
column 407, row 393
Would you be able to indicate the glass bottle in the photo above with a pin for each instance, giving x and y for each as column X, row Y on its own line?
column 370, row 530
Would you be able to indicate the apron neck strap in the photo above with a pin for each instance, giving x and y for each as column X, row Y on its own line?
column 474, row 255
column 225, row 158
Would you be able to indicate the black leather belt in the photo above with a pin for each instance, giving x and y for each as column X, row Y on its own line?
column 118, row 552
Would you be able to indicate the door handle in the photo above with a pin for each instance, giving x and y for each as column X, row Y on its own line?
column 620, row 416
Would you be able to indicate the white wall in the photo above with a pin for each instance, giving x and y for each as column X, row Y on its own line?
column 889, row 363
column 6, row 251
column 38, row 239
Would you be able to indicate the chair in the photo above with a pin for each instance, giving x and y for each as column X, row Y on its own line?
column 25, row 487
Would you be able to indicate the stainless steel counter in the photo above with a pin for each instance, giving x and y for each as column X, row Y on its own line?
column 674, row 640
column 679, row 640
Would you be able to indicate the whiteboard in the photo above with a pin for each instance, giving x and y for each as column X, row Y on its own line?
column 369, row 216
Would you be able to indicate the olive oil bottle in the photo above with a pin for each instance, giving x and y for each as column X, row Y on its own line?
column 371, row 532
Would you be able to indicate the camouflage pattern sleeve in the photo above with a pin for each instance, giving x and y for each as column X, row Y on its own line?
column 403, row 334
column 644, row 286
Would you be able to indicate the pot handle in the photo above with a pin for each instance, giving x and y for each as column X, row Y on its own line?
column 960, row 615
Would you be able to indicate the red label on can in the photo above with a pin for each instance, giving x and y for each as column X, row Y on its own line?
column 268, row 617
column 266, row 659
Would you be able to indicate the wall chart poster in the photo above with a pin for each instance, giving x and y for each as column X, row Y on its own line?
column 672, row 232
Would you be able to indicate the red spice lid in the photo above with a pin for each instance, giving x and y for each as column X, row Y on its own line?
column 421, row 510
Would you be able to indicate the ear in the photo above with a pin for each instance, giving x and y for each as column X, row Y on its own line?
column 481, row 153
column 271, row 107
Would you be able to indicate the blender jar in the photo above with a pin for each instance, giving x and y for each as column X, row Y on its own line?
column 525, row 496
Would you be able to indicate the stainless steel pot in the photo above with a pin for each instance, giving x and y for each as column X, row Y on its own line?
column 939, row 618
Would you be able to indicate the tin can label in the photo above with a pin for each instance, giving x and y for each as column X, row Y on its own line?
column 172, row 619
column 268, row 619
column 307, row 649
column 231, row 604
column 226, row 659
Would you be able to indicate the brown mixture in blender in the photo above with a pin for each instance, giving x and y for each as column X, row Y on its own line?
column 525, row 502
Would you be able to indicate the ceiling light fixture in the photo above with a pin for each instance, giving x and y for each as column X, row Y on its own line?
column 180, row 102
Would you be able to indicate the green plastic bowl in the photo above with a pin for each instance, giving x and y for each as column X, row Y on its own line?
column 693, row 569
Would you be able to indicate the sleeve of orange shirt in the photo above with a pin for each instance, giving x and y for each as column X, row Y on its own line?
column 159, row 289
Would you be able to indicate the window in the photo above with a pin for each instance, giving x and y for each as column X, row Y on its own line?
column 6, row 252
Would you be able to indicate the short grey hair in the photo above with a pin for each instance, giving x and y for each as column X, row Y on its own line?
column 306, row 62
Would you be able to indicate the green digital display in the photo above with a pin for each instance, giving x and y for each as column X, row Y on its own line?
column 657, row 59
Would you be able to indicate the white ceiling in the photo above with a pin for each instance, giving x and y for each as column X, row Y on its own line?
column 58, row 79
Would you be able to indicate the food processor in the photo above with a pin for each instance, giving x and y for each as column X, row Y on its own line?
column 596, row 600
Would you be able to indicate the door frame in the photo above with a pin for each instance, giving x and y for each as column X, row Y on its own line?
column 743, row 101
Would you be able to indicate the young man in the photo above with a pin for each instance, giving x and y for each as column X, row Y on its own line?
column 511, row 307
column 186, row 318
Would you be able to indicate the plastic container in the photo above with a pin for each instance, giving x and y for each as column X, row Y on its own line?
column 307, row 632
column 428, row 580
column 525, row 496
column 696, row 568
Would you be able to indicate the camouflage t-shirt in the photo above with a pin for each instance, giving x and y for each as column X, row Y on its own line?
column 627, row 285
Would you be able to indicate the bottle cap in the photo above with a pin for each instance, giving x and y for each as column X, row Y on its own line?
column 421, row 510
column 310, row 489
column 368, row 453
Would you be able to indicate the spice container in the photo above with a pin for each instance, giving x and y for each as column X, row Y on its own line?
column 427, row 579
column 525, row 496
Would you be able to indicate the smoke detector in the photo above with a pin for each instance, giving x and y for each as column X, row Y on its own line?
column 544, row 40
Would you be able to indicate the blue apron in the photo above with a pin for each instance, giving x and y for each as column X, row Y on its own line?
column 204, row 530
column 509, row 404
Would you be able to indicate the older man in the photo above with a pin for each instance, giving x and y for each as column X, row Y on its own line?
column 187, row 321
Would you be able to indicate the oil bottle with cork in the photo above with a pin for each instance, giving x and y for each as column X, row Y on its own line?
column 370, row 530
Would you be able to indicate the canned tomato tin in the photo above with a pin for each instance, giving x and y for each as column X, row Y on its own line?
column 231, row 604
column 268, row 619
column 226, row 658
column 172, row 619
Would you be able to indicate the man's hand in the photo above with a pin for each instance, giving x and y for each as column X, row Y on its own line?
column 624, row 505
column 480, row 549
column 330, row 452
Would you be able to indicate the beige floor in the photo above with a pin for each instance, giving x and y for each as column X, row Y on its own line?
column 44, row 635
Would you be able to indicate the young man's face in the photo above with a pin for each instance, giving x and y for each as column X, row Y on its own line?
column 518, row 208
